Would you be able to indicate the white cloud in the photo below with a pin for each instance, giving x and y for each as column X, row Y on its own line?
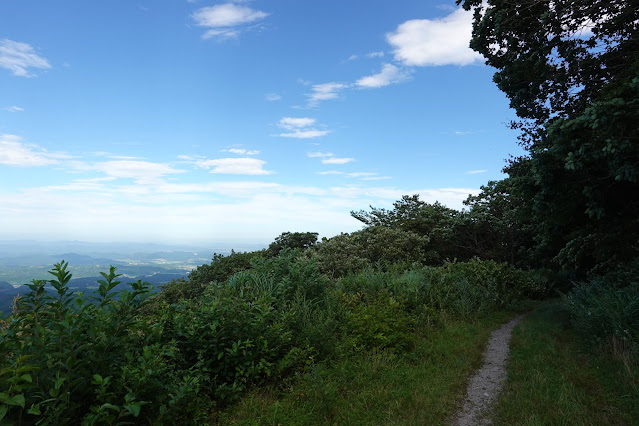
column 375, row 55
column 290, row 123
column 235, row 166
column 272, row 97
column 362, row 174
column 325, row 92
column 329, row 158
column 20, row 57
column 330, row 172
column 300, row 128
column 319, row 154
column 143, row 172
column 305, row 134
column 238, row 211
column 390, row 74
column 337, row 160
column 221, row 34
column 14, row 108
column 371, row 178
column 13, row 152
column 226, row 20
column 443, row 41
column 241, row 151
column 476, row 172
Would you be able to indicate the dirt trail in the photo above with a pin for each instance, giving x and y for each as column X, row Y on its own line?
column 485, row 385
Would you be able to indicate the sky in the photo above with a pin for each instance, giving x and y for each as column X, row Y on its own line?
column 197, row 121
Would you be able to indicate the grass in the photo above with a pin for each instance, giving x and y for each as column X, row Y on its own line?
column 554, row 380
column 420, row 387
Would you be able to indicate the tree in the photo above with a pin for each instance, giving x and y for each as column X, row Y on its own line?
column 292, row 240
column 570, row 69
column 410, row 214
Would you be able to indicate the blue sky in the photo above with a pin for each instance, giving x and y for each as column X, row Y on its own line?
column 201, row 121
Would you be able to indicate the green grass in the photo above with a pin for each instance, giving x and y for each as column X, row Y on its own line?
column 421, row 387
column 553, row 380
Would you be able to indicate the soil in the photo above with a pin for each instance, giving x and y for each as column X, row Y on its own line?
column 485, row 385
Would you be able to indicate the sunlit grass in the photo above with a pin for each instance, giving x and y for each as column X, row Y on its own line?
column 552, row 379
column 424, row 386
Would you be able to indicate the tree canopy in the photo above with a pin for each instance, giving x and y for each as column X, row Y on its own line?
column 570, row 69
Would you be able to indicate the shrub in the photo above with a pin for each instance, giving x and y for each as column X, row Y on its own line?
column 601, row 312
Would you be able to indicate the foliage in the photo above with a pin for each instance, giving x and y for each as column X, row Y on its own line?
column 292, row 240
column 348, row 253
column 109, row 360
column 380, row 322
column 552, row 380
column 571, row 71
column 433, row 222
column 605, row 314
column 421, row 387
column 219, row 270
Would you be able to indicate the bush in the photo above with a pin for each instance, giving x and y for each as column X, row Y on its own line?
column 349, row 253
column 601, row 312
column 219, row 270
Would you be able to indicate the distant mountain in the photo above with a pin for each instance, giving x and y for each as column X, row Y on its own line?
column 50, row 259
column 87, row 285
column 23, row 247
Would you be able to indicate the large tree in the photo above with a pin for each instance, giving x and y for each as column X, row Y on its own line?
column 570, row 69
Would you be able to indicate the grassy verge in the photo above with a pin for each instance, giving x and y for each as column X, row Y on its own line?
column 420, row 387
column 552, row 380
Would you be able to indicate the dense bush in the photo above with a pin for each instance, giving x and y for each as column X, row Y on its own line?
column 606, row 314
column 106, row 360
column 463, row 289
column 349, row 253
column 219, row 270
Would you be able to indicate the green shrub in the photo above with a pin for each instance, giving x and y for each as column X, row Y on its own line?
column 219, row 270
column 601, row 312
column 381, row 322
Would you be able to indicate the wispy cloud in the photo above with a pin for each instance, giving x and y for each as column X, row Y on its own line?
column 476, row 172
column 13, row 152
column 235, row 166
column 368, row 55
column 14, row 108
column 300, row 128
column 337, row 160
column 272, row 97
column 226, row 20
column 362, row 174
column 142, row 172
column 19, row 58
column 325, row 92
column 390, row 74
column 329, row 158
column 435, row 42
column 242, row 151
column 319, row 154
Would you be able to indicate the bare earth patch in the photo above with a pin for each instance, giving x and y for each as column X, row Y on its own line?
column 485, row 385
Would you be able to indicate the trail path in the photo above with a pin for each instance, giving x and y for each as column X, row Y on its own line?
column 485, row 385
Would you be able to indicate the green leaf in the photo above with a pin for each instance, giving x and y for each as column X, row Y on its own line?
column 110, row 407
column 3, row 411
column 133, row 409
column 16, row 400
column 34, row 409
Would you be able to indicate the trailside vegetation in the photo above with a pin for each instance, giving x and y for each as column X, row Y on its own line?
column 129, row 357
column 564, row 219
